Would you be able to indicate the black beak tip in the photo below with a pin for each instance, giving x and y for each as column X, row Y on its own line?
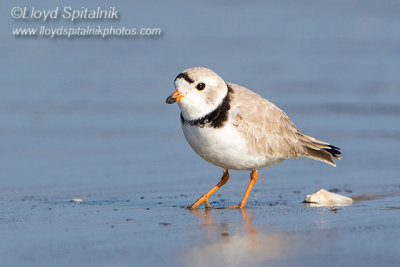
column 170, row 100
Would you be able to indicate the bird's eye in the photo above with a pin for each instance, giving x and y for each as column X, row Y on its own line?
column 200, row 86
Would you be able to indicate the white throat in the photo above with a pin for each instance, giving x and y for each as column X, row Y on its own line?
column 196, row 108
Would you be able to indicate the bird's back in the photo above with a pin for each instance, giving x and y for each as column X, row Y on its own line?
column 269, row 131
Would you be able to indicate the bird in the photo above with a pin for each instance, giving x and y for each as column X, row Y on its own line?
column 235, row 128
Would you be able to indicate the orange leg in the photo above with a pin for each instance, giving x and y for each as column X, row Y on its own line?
column 253, row 179
column 204, row 198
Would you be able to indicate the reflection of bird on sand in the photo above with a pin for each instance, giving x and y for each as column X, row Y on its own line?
column 237, row 246
column 234, row 128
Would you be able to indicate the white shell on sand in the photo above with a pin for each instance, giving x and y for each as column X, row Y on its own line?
column 76, row 200
column 323, row 198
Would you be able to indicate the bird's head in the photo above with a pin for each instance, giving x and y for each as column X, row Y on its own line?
column 198, row 92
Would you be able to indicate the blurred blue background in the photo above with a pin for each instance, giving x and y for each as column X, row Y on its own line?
column 88, row 111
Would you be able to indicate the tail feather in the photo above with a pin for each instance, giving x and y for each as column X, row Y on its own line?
column 334, row 151
column 319, row 150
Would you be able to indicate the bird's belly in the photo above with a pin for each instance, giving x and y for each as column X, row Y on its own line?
column 226, row 147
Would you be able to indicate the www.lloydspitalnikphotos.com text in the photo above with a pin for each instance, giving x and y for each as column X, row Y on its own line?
column 69, row 14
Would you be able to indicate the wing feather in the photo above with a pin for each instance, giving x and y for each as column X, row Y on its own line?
column 269, row 131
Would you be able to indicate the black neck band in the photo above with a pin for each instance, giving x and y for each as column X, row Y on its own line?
column 216, row 118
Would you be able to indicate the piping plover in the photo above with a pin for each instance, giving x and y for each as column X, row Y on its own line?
column 234, row 128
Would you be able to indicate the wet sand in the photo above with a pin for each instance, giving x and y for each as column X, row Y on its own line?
column 149, row 227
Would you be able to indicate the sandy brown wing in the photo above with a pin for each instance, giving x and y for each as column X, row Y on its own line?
column 267, row 129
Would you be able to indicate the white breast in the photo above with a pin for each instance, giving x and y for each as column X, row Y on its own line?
column 225, row 147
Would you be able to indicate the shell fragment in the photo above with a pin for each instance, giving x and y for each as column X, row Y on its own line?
column 323, row 198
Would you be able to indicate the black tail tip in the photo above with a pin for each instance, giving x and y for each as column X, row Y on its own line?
column 333, row 150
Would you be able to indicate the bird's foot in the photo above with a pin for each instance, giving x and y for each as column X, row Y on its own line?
column 203, row 199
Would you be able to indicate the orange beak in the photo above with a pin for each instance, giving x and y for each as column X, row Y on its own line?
column 174, row 97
